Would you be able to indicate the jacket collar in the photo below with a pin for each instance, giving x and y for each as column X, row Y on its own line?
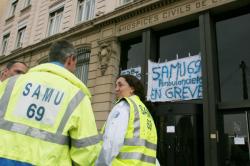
column 62, row 72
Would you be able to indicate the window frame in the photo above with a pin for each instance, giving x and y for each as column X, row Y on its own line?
column 5, row 43
column 13, row 8
column 83, row 59
column 20, row 37
column 26, row 3
column 54, row 22
column 124, row 2
column 82, row 14
column 237, row 105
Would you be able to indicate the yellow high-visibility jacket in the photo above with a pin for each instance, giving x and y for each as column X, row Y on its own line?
column 46, row 118
column 140, row 142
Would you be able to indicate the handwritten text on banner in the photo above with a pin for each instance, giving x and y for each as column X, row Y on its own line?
column 133, row 71
column 175, row 80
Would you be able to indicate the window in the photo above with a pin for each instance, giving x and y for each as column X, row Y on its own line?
column 26, row 3
column 5, row 43
column 183, row 43
column 13, row 7
column 85, row 10
column 234, row 50
column 20, row 37
column 55, row 21
column 132, row 55
column 82, row 67
column 123, row 2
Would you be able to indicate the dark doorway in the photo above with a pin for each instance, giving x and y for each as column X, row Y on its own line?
column 180, row 134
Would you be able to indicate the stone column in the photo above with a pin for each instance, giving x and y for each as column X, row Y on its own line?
column 108, row 58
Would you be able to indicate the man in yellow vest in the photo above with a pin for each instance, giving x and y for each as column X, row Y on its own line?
column 46, row 116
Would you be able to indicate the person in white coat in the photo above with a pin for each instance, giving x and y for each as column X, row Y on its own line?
column 118, row 121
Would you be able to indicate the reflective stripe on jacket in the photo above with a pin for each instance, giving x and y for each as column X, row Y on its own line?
column 141, row 138
column 46, row 118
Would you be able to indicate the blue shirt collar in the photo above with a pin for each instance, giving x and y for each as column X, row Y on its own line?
column 58, row 63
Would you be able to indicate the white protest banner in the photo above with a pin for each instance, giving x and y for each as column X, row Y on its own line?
column 175, row 80
column 133, row 71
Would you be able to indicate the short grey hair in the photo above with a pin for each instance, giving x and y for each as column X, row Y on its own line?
column 61, row 50
column 10, row 64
